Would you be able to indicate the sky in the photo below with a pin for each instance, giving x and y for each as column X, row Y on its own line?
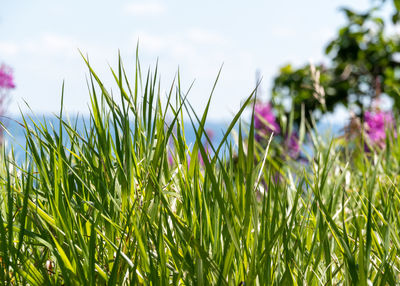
column 41, row 40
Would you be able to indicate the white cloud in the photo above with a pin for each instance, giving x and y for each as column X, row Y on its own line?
column 145, row 8
column 175, row 45
column 58, row 43
column 8, row 49
column 151, row 42
column 44, row 44
column 188, row 44
column 199, row 53
column 202, row 36
column 52, row 58
column 54, row 45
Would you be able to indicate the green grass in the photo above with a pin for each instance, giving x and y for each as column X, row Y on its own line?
column 104, row 206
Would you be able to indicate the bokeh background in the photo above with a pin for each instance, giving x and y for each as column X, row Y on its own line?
column 40, row 41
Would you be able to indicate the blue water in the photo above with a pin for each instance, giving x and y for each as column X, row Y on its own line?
column 16, row 137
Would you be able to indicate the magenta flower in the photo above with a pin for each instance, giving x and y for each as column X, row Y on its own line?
column 6, row 77
column 210, row 134
column 376, row 124
column 170, row 159
column 264, row 120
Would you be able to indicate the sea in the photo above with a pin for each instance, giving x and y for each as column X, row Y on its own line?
column 14, row 135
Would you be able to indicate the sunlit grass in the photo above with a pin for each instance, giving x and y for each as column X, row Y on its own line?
column 105, row 205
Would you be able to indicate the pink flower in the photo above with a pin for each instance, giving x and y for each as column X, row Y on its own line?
column 376, row 124
column 6, row 77
column 264, row 120
column 170, row 159
column 210, row 134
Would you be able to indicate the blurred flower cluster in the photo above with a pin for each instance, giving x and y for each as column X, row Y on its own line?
column 375, row 125
column 265, row 123
column 6, row 84
column 6, row 78
column 264, row 120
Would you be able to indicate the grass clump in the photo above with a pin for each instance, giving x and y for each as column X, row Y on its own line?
column 126, row 201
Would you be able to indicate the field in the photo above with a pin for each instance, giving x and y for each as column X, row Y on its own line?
column 128, row 202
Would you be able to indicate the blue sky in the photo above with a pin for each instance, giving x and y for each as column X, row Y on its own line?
column 40, row 40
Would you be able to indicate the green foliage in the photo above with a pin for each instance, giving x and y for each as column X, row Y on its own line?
column 104, row 206
column 297, row 86
column 364, row 64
